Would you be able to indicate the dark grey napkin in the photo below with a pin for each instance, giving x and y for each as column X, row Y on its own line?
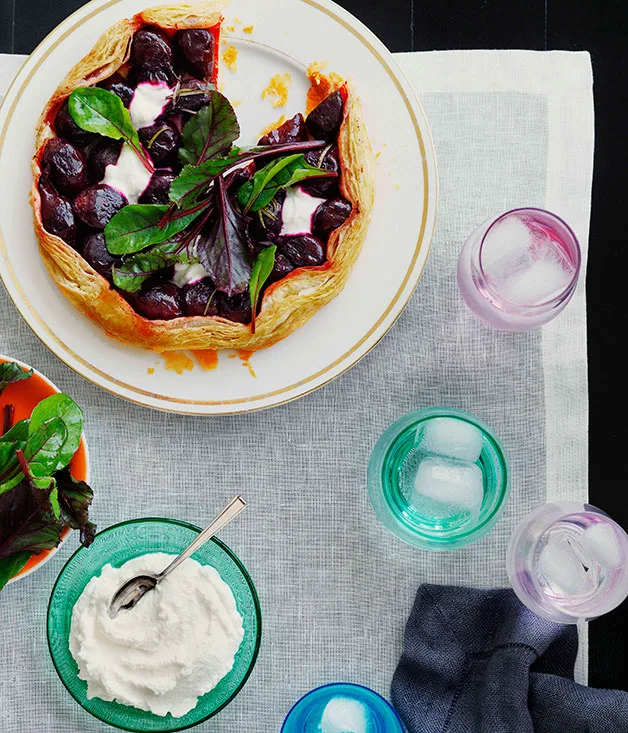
column 478, row 661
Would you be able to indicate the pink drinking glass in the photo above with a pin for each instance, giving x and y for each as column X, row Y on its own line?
column 520, row 285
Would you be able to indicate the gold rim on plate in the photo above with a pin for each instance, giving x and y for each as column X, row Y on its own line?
column 113, row 382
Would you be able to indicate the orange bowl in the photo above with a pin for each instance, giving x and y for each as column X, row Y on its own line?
column 25, row 396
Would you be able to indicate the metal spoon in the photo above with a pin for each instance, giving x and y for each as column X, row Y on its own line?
column 127, row 596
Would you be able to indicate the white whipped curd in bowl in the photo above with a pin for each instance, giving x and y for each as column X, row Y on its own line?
column 161, row 656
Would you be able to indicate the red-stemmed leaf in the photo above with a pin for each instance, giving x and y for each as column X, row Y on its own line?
column 225, row 251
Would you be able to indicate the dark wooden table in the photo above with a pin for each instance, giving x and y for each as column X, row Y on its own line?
column 601, row 27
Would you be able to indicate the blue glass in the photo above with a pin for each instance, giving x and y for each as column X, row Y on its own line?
column 308, row 714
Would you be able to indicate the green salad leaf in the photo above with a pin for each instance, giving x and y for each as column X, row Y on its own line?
column 11, row 566
column 65, row 408
column 210, row 132
column 27, row 517
column 38, row 495
column 283, row 173
column 224, row 252
column 11, row 372
column 100, row 111
column 262, row 267
column 44, row 447
column 137, row 226
column 194, row 180
column 75, row 498
column 136, row 269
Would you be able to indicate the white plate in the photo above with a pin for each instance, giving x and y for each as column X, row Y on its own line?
column 287, row 36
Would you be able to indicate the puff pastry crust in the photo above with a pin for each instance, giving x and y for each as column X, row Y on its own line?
column 288, row 303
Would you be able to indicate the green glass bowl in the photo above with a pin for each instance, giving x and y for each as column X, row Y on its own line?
column 115, row 546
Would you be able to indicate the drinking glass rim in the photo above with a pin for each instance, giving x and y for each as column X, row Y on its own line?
column 564, row 292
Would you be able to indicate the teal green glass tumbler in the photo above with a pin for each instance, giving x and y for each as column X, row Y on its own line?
column 438, row 478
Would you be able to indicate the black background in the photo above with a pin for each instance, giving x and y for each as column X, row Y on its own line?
column 601, row 27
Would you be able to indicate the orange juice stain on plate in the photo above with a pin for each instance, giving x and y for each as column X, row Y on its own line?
column 25, row 396
column 273, row 126
column 177, row 361
column 245, row 358
column 207, row 358
column 321, row 85
column 277, row 90
column 230, row 57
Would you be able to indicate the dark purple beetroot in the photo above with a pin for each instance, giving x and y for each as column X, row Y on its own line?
column 266, row 223
column 324, row 188
column 67, row 128
column 158, row 189
column 56, row 213
column 236, row 308
column 197, row 49
column 98, row 256
column 329, row 216
column 240, row 176
column 141, row 74
column 324, row 121
column 96, row 205
column 281, row 268
column 162, row 141
column 159, row 302
column 150, row 49
column 191, row 95
column 66, row 166
column 117, row 84
column 292, row 131
column 100, row 154
column 200, row 298
column 303, row 250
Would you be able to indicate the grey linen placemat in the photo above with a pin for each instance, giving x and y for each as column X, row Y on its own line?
column 510, row 128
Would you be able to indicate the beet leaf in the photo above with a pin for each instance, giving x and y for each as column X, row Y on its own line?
column 75, row 498
column 210, row 132
column 11, row 372
column 262, row 268
column 282, row 173
column 225, row 252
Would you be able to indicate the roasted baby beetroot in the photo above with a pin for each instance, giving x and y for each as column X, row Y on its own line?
column 66, row 127
column 303, row 250
column 199, row 298
column 159, row 302
column 56, row 213
column 162, row 142
column 324, row 121
column 324, row 188
column 100, row 154
column 98, row 256
column 150, row 49
column 329, row 216
column 292, row 131
column 66, row 166
column 189, row 96
column 140, row 74
column 266, row 223
column 96, row 205
column 281, row 268
column 158, row 189
column 196, row 46
column 236, row 308
column 117, row 84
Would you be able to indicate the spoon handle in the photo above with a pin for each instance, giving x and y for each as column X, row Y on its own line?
column 226, row 515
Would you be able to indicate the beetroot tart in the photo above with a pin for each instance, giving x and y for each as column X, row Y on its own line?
column 155, row 224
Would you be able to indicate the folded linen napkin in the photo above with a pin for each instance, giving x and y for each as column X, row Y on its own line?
column 478, row 661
